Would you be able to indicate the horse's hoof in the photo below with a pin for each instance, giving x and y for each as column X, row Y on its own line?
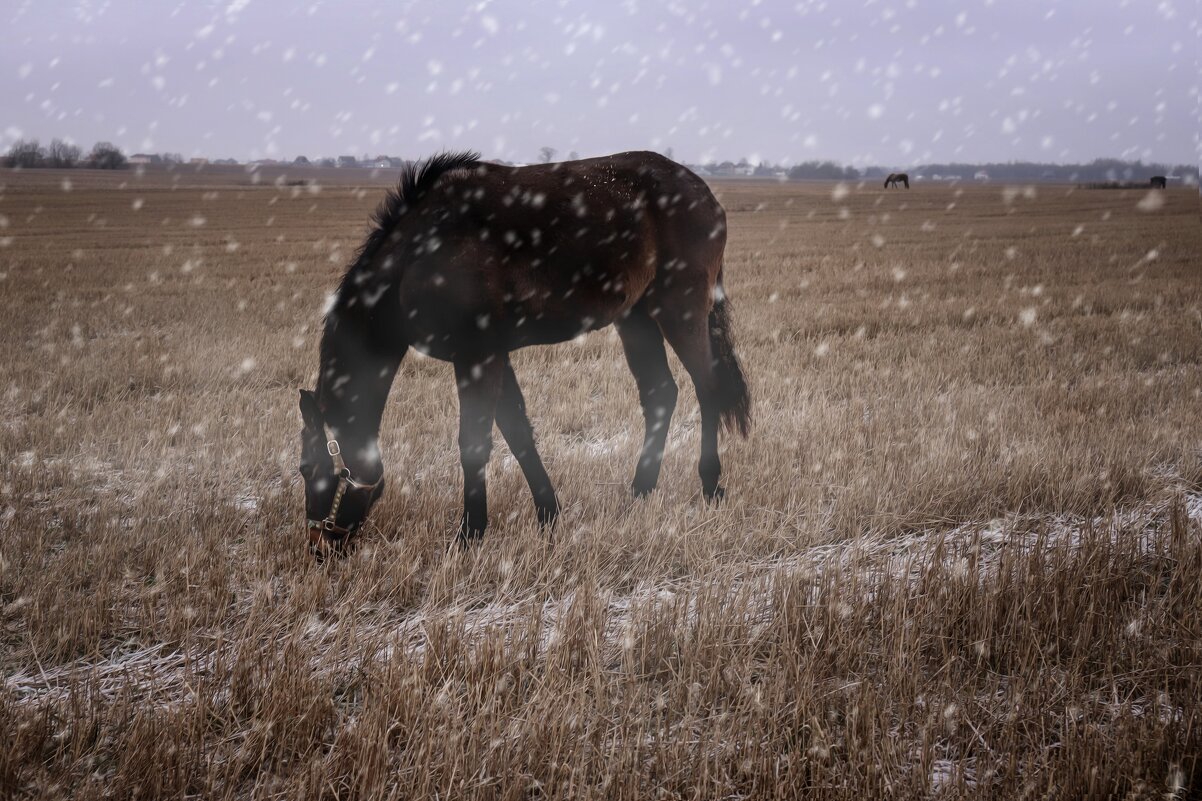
column 715, row 496
column 548, row 516
column 468, row 537
column 464, row 544
column 641, row 490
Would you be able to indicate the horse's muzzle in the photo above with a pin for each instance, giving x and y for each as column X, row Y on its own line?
column 325, row 542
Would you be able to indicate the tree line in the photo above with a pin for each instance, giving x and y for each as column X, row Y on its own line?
column 1025, row 171
column 1098, row 170
column 29, row 154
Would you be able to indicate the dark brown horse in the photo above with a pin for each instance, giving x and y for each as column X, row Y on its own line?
column 895, row 178
column 469, row 261
column 1159, row 182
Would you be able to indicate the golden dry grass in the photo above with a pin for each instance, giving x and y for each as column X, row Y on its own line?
column 961, row 554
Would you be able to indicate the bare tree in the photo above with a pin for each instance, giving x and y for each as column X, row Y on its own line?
column 545, row 153
column 25, row 153
column 573, row 156
column 107, row 156
column 62, row 154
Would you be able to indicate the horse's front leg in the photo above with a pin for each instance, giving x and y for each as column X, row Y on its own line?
column 519, row 434
column 479, row 382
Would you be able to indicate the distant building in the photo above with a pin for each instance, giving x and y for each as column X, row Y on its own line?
column 198, row 161
column 347, row 161
column 381, row 162
column 981, row 175
column 145, row 158
column 728, row 170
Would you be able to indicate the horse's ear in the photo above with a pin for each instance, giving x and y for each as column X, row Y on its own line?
column 310, row 410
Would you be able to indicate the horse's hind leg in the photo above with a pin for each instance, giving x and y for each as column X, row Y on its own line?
column 687, row 332
column 515, row 427
column 643, row 343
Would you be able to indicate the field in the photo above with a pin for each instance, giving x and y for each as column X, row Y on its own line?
column 960, row 555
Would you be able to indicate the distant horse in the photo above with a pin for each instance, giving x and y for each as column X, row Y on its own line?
column 1159, row 182
column 469, row 261
column 894, row 178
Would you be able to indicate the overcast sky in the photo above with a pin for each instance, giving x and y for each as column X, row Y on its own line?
column 890, row 82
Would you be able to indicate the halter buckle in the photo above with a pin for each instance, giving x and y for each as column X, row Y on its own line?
column 332, row 447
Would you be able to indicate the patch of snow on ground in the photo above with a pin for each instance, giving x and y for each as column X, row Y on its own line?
column 165, row 673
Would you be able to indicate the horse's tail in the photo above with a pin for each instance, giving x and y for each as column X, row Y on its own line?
column 734, row 398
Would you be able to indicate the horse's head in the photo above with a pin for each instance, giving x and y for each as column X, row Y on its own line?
column 336, row 502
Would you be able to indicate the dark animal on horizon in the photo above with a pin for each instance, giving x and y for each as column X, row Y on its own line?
column 894, row 178
column 1159, row 182
column 469, row 261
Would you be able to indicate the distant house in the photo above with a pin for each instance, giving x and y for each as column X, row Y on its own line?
column 728, row 170
column 198, row 161
column 981, row 175
column 377, row 163
column 347, row 161
column 145, row 158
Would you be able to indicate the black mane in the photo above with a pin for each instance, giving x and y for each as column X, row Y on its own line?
column 417, row 178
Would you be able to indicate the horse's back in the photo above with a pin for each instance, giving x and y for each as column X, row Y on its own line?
column 538, row 254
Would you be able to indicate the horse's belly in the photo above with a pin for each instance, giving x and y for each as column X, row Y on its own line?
column 475, row 297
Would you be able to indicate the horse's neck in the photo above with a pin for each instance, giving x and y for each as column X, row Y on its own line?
column 352, row 388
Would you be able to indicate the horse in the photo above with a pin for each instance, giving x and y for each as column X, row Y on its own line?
column 1159, row 182
column 894, row 178
column 468, row 261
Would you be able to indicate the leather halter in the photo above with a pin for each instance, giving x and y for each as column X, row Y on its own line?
column 328, row 527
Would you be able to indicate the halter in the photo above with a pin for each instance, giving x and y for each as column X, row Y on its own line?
column 328, row 528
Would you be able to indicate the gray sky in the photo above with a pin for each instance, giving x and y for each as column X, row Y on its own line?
column 889, row 82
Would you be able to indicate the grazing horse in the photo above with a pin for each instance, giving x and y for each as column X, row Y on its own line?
column 1159, row 182
column 894, row 178
column 468, row 261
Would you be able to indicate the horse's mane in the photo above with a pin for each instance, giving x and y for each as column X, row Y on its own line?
column 417, row 178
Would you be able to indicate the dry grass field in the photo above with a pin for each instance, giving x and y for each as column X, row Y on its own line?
column 960, row 555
